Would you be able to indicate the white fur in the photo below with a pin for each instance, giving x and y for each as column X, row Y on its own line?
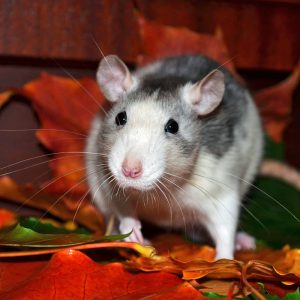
column 137, row 139
column 211, row 197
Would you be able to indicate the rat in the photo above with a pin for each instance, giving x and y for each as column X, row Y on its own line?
column 179, row 148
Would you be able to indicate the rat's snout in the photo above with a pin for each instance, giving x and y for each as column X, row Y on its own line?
column 132, row 167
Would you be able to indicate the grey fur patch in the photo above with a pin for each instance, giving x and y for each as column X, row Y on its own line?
column 165, row 79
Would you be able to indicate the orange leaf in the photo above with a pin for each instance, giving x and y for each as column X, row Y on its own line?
column 72, row 275
column 65, row 108
column 87, row 215
column 4, row 97
column 7, row 218
column 275, row 105
column 194, row 262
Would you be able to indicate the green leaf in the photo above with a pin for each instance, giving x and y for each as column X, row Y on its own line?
column 272, row 203
column 213, row 295
column 293, row 296
column 47, row 227
column 290, row 296
column 20, row 236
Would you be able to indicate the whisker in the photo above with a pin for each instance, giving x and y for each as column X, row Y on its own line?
column 47, row 185
column 66, row 154
column 76, row 153
column 228, row 187
column 101, row 52
column 34, row 165
column 44, row 129
column 61, row 197
column 177, row 202
column 168, row 201
column 84, row 89
column 269, row 196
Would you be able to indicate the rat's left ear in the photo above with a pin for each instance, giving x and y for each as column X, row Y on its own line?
column 206, row 94
column 114, row 78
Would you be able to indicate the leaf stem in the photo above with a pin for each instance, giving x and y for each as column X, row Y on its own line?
column 145, row 251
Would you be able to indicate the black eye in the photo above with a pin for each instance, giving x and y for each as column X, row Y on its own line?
column 121, row 118
column 171, row 126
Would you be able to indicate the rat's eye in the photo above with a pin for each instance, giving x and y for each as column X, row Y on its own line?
column 171, row 126
column 121, row 118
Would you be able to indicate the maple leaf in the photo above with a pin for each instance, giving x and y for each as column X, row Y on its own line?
column 65, row 108
column 72, row 275
column 7, row 218
column 281, row 266
column 275, row 105
column 180, row 40
column 63, row 207
column 4, row 97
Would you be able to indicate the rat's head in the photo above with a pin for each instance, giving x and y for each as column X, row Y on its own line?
column 153, row 134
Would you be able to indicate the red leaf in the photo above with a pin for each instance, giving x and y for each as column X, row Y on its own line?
column 180, row 40
column 72, row 275
column 275, row 105
column 7, row 218
column 4, row 97
column 65, row 108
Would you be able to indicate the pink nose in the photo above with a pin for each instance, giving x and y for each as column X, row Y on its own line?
column 132, row 168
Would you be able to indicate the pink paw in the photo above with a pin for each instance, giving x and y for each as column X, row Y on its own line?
column 244, row 241
column 129, row 224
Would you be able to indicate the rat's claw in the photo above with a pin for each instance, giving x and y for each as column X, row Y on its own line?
column 244, row 241
column 134, row 226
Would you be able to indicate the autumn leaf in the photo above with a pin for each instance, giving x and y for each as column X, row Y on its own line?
column 7, row 218
column 63, row 207
column 281, row 267
column 4, row 97
column 275, row 105
column 65, row 108
column 20, row 236
column 72, row 275
column 180, row 40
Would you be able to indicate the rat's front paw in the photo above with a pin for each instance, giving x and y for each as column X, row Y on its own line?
column 129, row 224
column 244, row 241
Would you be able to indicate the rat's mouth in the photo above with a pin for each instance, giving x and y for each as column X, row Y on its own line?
column 135, row 186
column 147, row 181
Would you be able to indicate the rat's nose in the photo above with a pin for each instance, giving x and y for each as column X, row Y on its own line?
column 132, row 168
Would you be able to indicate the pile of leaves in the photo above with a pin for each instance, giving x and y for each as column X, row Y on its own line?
column 174, row 268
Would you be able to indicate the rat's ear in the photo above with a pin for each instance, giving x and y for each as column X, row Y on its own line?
column 113, row 77
column 206, row 94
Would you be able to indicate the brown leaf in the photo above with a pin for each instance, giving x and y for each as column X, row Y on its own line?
column 195, row 262
column 176, row 246
column 87, row 215
column 275, row 105
column 4, row 97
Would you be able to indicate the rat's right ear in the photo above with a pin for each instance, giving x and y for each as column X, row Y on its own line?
column 205, row 95
column 113, row 77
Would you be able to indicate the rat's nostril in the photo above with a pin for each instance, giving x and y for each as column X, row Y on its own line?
column 132, row 168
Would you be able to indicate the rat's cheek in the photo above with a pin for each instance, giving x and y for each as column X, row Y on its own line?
column 115, row 158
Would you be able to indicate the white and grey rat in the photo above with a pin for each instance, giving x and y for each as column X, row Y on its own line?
column 179, row 148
